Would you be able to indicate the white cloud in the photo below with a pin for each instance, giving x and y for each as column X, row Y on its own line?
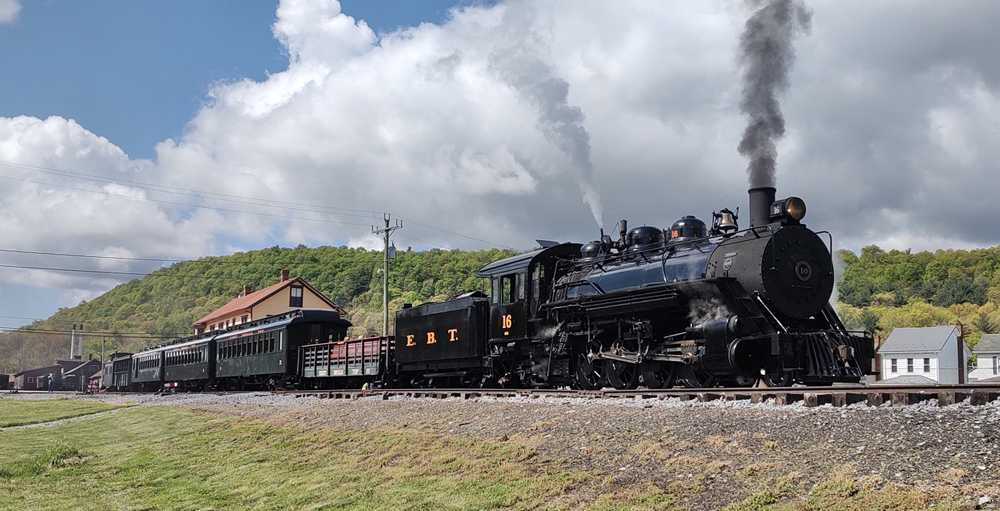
column 66, row 191
column 891, row 122
column 9, row 10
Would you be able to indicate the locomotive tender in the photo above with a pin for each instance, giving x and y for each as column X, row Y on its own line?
column 695, row 305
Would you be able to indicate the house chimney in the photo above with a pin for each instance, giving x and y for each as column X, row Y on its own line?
column 962, row 362
column 284, row 275
column 247, row 289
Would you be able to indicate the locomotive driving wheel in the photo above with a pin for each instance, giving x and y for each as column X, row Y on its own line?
column 590, row 374
column 698, row 378
column 623, row 375
column 658, row 375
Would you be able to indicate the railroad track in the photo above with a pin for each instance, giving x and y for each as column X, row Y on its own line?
column 875, row 395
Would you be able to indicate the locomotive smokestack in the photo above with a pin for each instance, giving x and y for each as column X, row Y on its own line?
column 760, row 205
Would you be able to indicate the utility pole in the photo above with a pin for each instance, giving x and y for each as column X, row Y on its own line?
column 387, row 231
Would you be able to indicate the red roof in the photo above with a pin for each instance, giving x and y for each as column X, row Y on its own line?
column 247, row 302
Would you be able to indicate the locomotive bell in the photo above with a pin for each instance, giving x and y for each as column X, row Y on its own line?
column 725, row 222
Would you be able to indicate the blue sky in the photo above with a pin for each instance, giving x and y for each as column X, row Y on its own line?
column 175, row 130
column 136, row 72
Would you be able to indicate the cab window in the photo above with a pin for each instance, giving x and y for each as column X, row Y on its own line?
column 507, row 288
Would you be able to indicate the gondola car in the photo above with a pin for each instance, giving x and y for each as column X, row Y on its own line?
column 348, row 363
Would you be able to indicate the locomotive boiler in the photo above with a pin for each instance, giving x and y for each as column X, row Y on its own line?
column 702, row 306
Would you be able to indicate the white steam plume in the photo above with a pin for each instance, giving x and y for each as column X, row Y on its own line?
column 517, row 63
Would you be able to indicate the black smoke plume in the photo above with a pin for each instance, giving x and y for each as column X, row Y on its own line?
column 766, row 56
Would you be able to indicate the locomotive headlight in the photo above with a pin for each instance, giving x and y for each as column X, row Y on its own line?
column 792, row 208
column 795, row 207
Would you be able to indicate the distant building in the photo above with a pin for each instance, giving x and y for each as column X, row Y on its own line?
column 4, row 381
column 987, row 357
column 924, row 355
column 287, row 295
column 37, row 379
column 77, row 377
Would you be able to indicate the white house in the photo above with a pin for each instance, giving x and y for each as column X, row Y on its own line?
column 924, row 355
column 988, row 356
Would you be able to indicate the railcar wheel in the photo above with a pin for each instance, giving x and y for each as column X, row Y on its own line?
column 622, row 375
column 698, row 378
column 590, row 374
column 777, row 378
column 658, row 375
column 740, row 381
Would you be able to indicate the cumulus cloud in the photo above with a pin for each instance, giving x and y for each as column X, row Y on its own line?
column 9, row 10
column 890, row 134
column 86, row 210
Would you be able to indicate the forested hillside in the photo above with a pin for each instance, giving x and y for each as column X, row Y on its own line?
column 883, row 290
column 879, row 291
column 165, row 303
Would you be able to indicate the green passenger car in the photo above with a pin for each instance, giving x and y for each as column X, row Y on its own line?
column 268, row 350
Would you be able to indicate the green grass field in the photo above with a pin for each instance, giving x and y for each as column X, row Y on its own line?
column 172, row 458
column 166, row 457
column 19, row 413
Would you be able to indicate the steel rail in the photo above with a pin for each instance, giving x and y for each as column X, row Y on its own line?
column 837, row 396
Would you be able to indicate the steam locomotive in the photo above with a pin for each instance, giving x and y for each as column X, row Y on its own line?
column 692, row 305
column 695, row 305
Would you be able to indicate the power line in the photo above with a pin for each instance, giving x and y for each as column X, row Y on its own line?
column 154, row 273
column 190, row 192
column 207, row 259
column 253, row 201
column 198, row 206
column 123, row 335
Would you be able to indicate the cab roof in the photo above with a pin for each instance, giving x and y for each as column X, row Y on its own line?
column 522, row 261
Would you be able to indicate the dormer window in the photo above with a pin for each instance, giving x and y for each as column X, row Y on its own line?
column 296, row 297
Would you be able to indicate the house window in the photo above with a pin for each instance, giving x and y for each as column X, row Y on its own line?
column 296, row 299
column 894, row 367
column 909, row 365
column 246, row 317
column 927, row 365
column 994, row 365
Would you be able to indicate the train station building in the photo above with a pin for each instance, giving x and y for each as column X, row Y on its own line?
column 287, row 295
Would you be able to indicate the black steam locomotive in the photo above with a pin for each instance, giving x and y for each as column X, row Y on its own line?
column 696, row 305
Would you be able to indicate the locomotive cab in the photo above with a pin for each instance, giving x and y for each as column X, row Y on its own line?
column 519, row 284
